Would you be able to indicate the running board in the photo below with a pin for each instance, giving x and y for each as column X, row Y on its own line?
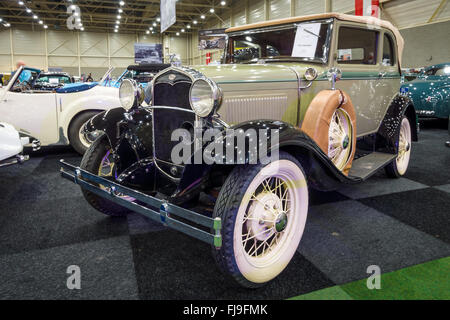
column 365, row 167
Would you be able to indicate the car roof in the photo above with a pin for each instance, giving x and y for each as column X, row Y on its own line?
column 371, row 21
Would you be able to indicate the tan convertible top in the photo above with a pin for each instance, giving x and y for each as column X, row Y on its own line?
column 345, row 17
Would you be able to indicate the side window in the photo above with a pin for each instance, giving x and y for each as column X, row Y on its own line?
column 388, row 51
column 357, row 46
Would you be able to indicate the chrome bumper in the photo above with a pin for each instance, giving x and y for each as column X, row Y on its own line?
column 148, row 206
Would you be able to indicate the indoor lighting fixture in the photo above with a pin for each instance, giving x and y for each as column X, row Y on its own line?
column 211, row 10
column 203, row 16
column 21, row 3
column 223, row 3
column 122, row 3
column 195, row 22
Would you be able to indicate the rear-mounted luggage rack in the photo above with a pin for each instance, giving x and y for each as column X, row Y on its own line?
column 163, row 211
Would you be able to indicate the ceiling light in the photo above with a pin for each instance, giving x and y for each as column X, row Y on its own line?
column 46, row 26
column 120, row 10
column 35, row 17
column 188, row 26
column 154, row 24
column 117, row 22
column 116, row 30
column 147, row 32
column 202, row 16
column 82, row 29
column 119, row 17
column 122, row 3
column 7, row 25
column 41, row 22
column 223, row 3
column 21, row 3
column 28, row 10
column 182, row 30
column 211, row 10
column 158, row 19
column 195, row 21
column 178, row 33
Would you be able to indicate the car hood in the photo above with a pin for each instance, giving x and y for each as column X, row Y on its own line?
column 250, row 73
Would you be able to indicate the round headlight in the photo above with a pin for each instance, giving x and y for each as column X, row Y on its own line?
column 311, row 74
column 127, row 94
column 130, row 94
column 203, row 98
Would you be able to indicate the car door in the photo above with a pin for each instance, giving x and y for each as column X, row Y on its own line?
column 389, row 80
column 31, row 111
column 356, row 55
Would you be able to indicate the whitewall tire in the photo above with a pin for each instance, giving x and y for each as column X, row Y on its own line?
column 264, row 211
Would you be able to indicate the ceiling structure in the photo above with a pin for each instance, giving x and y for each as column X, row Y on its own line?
column 137, row 16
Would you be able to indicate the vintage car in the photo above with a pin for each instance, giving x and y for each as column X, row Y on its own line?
column 430, row 92
column 325, row 111
column 57, row 116
column 53, row 80
column 12, row 143
column 142, row 74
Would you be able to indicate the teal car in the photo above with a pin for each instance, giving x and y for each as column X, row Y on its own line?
column 430, row 92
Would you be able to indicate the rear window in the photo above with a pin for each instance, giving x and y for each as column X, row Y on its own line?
column 357, row 46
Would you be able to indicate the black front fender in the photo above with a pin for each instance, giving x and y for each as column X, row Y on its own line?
column 321, row 172
column 107, row 122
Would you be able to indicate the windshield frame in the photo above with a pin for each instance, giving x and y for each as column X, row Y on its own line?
column 324, row 60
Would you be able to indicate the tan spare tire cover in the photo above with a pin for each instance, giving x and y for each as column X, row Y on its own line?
column 316, row 123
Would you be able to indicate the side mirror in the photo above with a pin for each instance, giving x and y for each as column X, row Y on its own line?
column 334, row 75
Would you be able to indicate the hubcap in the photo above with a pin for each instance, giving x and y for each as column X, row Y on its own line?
column 267, row 217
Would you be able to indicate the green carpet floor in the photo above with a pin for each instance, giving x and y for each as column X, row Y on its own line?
column 428, row 281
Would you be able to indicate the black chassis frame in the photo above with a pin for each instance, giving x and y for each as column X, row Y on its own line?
column 117, row 124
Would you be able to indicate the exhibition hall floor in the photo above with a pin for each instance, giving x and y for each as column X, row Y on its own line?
column 46, row 226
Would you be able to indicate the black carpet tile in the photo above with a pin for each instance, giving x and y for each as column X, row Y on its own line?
column 430, row 159
column 106, row 272
column 170, row 265
column 427, row 210
column 30, row 225
column 318, row 197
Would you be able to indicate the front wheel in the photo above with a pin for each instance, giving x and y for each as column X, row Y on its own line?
column 264, row 211
column 399, row 166
column 98, row 160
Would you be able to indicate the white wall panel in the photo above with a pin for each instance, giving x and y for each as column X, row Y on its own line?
column 62, row 43
column 257, row 12
column 93, row 44
column 344, row 6
column 305, row 7
column 280, row 9
column 239, row 13
column 26, row 42
column 122, row 45
column 5, row 47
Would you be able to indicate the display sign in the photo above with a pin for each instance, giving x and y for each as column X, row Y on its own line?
column 168, row 14
column 306, row 40
column 148, row 53
column 367, row 8
column 211, row 39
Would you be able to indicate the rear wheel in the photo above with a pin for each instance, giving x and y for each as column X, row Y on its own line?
column 98, row 160
column 79, row 139
column 263, row 211
column 399, row 166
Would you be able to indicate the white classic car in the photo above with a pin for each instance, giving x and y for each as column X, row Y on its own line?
column 55, row 117
column 12, row 143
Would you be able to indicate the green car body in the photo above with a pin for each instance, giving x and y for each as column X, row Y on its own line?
column 430, row 92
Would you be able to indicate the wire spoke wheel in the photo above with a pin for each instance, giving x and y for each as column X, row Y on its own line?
column 340, row 137
column 404, row 147
column 270, row 221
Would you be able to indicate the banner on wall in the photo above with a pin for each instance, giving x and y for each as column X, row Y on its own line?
column 168, row 14
column 148, row 53
column 367, row 8
column 211, row 39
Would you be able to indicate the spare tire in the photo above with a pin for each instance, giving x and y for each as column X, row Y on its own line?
column 331, row 122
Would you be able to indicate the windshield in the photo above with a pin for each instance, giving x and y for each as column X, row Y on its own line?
column 54, row 79
column 308, row 41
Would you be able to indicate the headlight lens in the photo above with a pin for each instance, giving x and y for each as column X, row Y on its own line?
column 202, row 98
column 127, row 94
